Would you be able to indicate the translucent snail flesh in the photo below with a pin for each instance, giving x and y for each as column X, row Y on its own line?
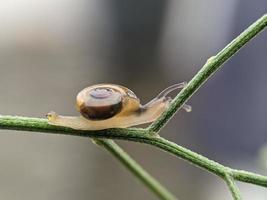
column 105, row 106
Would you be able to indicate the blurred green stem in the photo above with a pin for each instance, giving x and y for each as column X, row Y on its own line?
column 135, row 168
column 232, row 186
column 150, row 135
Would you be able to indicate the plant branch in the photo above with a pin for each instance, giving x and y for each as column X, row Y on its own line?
column 232, row 187
column 249, row 177
column 36, row 125
column 136, row 169
column 211, row 66
column 41, row 125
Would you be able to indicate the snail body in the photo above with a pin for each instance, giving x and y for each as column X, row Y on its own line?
column 105, row 106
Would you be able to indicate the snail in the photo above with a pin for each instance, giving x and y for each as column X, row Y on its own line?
column 105, row 106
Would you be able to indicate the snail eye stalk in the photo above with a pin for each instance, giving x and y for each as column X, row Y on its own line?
column 170, row 89
column 162, row 96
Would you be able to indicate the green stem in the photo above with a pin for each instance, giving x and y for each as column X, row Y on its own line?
column 41, row 125
column 211, row 66
column 132, row 134
column 136, row 169
column 188, row 155
column 232, row 187
column 249, row 177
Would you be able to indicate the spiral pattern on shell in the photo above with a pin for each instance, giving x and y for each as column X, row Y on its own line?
column 99, row 103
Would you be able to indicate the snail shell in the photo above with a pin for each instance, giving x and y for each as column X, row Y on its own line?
column 103, row 101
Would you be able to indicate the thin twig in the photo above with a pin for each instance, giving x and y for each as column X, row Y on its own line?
column 248, row 177
column 136, row 169
column 232, row 187
column 36, row 125
column 211, row 66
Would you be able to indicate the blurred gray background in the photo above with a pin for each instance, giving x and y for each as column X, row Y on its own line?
column 50, row 50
